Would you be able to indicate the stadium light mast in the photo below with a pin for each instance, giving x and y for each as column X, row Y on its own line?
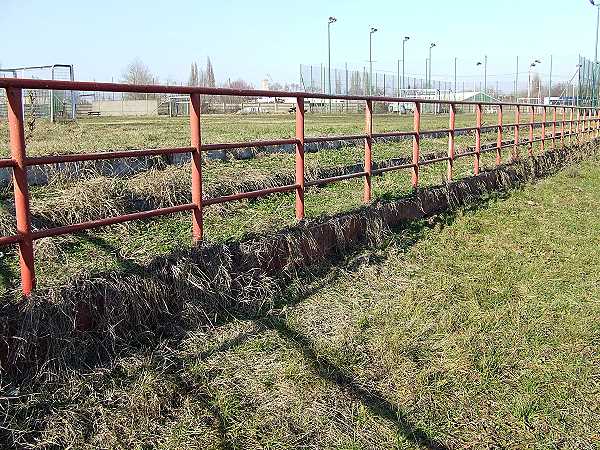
column 596, row 3
column 433, row 44
column 329, row 22
column 484, row 64
column 533, row 64
column 371, row 32
column 406, row 38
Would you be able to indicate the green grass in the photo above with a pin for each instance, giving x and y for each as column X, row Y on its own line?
column 111, row 133
column 478, row 330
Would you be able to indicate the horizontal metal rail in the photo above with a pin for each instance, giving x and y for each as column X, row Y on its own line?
column 392, row 134
column 350, row 137
column 7, row 163
column 324, row 181
column 580, row 124
column 75, row 228
column 424, row 162
column 233, row 145
column 249, row 195
column 77, row 157
column 8, row 240
column 381, row 170
column 59, row 85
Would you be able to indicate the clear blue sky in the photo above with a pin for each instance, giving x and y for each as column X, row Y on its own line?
column 250, row 39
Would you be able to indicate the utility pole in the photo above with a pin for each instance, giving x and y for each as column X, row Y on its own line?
column 371, row 32
column 533, row 64
column 485, row 74
column 430, row 47
column 406, row 38
column 550, row 83
column 455, row 60
column 517, row 80
column 329, row 22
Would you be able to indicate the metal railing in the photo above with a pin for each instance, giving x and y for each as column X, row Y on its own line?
column 586, row 122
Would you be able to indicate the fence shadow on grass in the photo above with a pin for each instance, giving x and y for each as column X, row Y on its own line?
column 372, row 399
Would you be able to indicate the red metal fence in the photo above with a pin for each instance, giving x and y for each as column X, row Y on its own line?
column 587, row 127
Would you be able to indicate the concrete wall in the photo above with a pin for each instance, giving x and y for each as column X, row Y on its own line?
column 126, row 107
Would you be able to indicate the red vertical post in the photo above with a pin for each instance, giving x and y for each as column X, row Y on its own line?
column 499, row 140
column 562, row 127
column 571, row 115
column 586, row 123
column 451, row 135
column 517, row 126
column 300, row 158
column 531, row 120
column 588, row 115
column 577, row 126
column 368, row 150
column 195, row 133
column 478, row 115
column 21, row 188
column 544, row 118
column 554, row 115
column 416, row 144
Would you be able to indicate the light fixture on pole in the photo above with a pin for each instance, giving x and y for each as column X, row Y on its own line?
column 329, row 22
column 371, row 32
column 406, row 38
column 433, row 44
column 484, row 64
column 596, row 3
column 533, row 64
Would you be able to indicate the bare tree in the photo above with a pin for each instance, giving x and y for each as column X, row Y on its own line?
column 193, row 79
column 137, row 73
column 210, row 75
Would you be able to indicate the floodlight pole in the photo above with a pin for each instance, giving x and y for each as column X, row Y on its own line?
column 533, row 64
column 597, row 5
column 485, row 75
column 406, row 38
column 329, row 22
column 430, row 47
column 455, row 62
column 372, row 30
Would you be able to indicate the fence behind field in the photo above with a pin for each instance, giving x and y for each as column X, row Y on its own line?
column 566, row 122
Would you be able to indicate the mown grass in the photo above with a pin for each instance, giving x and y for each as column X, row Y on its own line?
column 134, row 244
column 476, row 330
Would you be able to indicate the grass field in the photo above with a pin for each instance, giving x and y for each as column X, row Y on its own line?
column 477, row 330
column 106, row 133
column 134, row 244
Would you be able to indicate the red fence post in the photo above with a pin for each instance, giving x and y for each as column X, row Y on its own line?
column 577, row 126
column 531, row 120
column 299, row 158
column 21, row 188
column 544, row 118
column 562, row 127
column 571, row 115
column 368, row 150
column 554, row 115
column 499, row 140
column 197, row 224
column 477, row 138
column 517, row 126
column 451, row 134
column 416, row 144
